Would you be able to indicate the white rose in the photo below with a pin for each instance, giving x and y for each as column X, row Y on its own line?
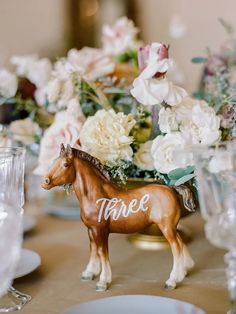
column 23, row 63
column 163, row 151
column 143, row 158
column 106, row 135
column 39, row 72
column 154, row 91
column 60, row 92
column 8, row 83
column 167, row 120
column 24, row 131
column 74, row 108
column 91, row 63
column 62, row 69
column 200, row 124
column 177, row 27
column 119, row 37
column 65, row 129
column 183, row 111
column 41, row 95
column 53, row 90
column 67, row 92
column 207, row 121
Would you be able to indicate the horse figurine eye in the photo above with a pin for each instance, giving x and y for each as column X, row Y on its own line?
column 66, row 165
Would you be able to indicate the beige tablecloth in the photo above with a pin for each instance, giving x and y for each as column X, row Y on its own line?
column 63, row 247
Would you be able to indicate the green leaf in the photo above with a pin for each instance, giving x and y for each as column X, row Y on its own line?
column 184, row 179
column 180, row 172
column 227, row 26
column 199, row 60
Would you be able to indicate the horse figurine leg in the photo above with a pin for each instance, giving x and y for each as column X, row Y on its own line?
column 182, row 261
column 101, row 240
column 93, row 268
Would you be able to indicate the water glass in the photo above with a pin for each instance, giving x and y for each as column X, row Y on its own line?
column 11, row 233
column 216, row 179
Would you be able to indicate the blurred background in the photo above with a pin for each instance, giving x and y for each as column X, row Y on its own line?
column 50, row 27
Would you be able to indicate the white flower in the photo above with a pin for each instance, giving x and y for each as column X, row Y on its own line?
column 24, row 131
column 23, row 63
column 195, row 119
column 153, row 91
column 202, row 126
column 90, row 63
column 65, row 129
column 167, row 120
column 163, row 151
column 41, row 95
column 62, row 70
column 8, row 83
column 53, row 90
column 60, row 92
column 119, row 37
column 157, row 62
column 67, row 92
column 151, row 87
column 177, row 27
column 37, row 71
column 106, row 135
column 143, row 158
column 183, row 111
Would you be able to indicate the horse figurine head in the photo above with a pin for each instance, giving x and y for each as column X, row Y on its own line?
column 63, row 170
column 107, row 208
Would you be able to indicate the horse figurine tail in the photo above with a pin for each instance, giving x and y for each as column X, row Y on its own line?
column 189, row 200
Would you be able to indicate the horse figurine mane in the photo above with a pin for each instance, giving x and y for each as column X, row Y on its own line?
column 92, row 160
column 106, row 208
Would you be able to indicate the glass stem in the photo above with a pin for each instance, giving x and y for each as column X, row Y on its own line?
column 230, row 259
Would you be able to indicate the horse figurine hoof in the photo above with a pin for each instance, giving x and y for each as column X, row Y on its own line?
column 169, row 287
column 88, row 277
column 101, row 287
column 106, row 208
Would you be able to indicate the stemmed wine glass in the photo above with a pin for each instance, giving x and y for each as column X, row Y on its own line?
column 11, row 232
column 216, row 180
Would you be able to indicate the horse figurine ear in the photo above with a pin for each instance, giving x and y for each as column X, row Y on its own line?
column 69, row 152
column 63, row 150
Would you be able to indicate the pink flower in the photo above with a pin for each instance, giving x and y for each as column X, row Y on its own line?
column 143, row 53
column 65, row 129
column 152, row 54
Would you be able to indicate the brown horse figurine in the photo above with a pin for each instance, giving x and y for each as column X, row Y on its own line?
column 107, row 208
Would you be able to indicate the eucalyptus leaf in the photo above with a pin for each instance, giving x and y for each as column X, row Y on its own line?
column 184, row 179
column 199, row 60
column 180, row 172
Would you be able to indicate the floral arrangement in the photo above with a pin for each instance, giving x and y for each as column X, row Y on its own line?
column 117, row 103
column 218, row 82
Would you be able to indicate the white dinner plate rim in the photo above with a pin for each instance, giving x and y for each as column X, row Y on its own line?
column 35, row 264
column 160, row 298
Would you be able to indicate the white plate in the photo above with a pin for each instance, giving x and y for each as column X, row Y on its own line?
column 135, row 304
column 29, row 261
column 66, row 213
column 29, row 222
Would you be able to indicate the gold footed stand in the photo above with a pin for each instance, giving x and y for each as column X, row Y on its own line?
column 152, row 239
